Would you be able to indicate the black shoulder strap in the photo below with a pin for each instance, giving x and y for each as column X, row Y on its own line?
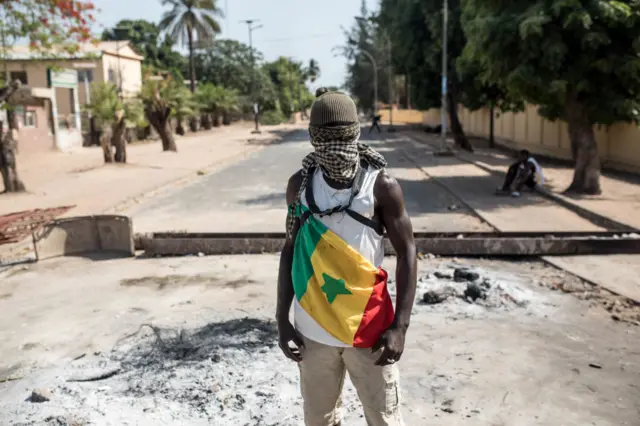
column 358, row 181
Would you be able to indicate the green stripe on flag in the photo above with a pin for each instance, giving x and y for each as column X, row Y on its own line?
column 308, row 236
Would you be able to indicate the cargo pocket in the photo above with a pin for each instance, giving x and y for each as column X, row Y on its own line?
column 391, row 392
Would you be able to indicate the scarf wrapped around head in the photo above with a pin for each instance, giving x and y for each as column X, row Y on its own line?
column 338, row 154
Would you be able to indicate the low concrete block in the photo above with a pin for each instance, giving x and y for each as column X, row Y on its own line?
column 85, row 234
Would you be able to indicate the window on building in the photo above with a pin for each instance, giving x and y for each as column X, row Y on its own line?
column 19, row 75
column 85, row 75
column 112, row 76
column 30, row 119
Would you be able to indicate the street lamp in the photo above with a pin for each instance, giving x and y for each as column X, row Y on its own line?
column 390, row 65
column 256, row 107
column 390, row 70
column 443, row 112
column 375, row 75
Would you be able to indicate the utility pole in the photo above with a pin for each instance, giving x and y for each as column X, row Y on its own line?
column 390, row 71
column 375, row 80
column 256, row 108
column 445, row 24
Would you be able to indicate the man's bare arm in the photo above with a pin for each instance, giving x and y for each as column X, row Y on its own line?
column 286, row 331
column 390, row 207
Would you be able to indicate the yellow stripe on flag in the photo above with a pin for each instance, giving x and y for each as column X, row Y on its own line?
column 338, row 292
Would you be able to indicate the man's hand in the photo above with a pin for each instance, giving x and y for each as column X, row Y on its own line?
column 286, row 334
column 392, row 344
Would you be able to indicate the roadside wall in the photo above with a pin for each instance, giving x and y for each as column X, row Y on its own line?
column 618, row 145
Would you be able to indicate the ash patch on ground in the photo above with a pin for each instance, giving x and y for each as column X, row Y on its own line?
column 224, row 373
column 457, row 290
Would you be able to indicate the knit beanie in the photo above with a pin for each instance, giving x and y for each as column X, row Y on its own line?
column 333, row 108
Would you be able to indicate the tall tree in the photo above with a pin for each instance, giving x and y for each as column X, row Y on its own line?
column 193, row 21
column 415, row 29
column 227, row 63
column 147, row 40
column 361, row 38
column 287, row 76
column 45, row 24
column 578, row 60
column 113, row 115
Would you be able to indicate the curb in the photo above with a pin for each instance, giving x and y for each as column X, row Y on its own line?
column 595, row 218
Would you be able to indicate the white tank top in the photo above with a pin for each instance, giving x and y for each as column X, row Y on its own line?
column 362, row 238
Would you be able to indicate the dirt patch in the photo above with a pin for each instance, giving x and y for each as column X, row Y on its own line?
column 169, row 281
column 5, row 296
column 620, row 308
column 241, row 282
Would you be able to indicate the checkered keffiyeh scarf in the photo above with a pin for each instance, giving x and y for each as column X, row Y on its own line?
column 337, row 153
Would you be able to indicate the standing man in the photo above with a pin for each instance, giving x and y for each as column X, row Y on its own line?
column 340, row 204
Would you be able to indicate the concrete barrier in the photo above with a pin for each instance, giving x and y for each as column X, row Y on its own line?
column 444, row 244
column 85, row 234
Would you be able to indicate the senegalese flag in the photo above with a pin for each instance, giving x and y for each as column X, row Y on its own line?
column 338, row 287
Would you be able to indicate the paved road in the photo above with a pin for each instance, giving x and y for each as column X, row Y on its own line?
column 249, row 196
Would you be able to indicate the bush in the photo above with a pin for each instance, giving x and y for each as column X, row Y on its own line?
column 272, row 118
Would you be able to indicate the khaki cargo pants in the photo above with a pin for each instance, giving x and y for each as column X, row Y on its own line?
column 322, row 373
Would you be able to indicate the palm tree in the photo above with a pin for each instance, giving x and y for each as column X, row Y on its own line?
column 113, row 115
column 189, row 20
column 185, row 107
column 161, row 99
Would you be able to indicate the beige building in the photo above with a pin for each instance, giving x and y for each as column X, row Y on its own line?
column 111, row 61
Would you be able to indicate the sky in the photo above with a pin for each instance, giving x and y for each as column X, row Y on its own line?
column 300, row 29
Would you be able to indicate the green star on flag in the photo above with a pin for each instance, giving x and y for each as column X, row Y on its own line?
column 333, row 287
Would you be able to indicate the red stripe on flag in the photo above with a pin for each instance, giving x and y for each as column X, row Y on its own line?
column 378, row 314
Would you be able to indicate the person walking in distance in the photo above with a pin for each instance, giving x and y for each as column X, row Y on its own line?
column 375, row 123
column 340, row 204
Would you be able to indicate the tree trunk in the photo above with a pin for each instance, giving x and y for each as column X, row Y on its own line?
column 8, row 166
column 192, row 66
column 205, row 121
column 216, row 120
column 193, row 124
column 226, row 119
column 168, row 142
column 492, row 141
column 159, row 119
column 456, row 127
column 119, row 141
column 180, row 128
column 106, row 141
column 586, row 175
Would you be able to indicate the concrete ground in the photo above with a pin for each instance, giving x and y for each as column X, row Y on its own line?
column 82, row 179
column 528, row 353
column 249, row 195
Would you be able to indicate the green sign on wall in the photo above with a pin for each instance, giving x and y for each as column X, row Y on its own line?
column 63, row 78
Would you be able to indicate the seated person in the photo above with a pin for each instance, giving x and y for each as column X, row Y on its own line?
column 524, row 172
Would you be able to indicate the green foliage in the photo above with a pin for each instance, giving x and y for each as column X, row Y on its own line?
column 288, row 78
column 108, row 108
column 216, row 99
column 193, row 22
column 227, row 63
column 147, row 40
column 560, row 53
column 272, row 118
column 363, row 36
column 184, row 104
column 162, row 96
column 186, row 16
